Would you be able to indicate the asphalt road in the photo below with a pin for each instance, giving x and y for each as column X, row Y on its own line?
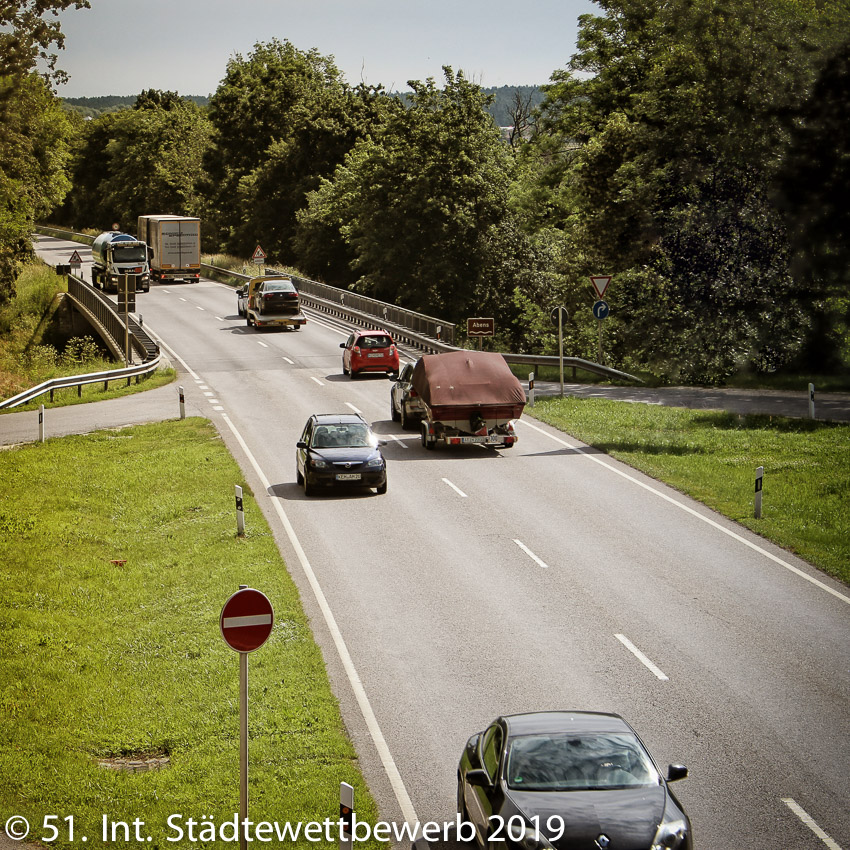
column 548, row 576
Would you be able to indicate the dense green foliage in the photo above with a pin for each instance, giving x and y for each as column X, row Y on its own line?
column 696, row 150
column 138, row 161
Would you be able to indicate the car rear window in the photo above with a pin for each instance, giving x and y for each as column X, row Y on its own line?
column 278, row 286
column 379, row 341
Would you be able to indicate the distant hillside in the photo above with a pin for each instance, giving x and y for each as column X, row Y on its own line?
column 91, row 107
column 500, row 109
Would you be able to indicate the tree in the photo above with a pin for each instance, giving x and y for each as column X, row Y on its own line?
column 140, row 161
column 661, row 164
column 283, row 118
column 26, row 37
column 34, row 135
column 421, row 207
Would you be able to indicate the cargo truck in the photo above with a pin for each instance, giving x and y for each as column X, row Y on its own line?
column 174, row 246
column 114, row 254
column 467, row 398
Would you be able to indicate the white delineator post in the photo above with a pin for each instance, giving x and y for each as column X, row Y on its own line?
column 240, row 513
column 759, row 477
column 811, row 401
column 531, row 389
column 182, row 403
column 346, row 815
column 41, row 423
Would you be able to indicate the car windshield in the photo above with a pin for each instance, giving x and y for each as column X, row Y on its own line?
column 572, row 763
column 375, row 341
column 278, row 286
column 353, row 435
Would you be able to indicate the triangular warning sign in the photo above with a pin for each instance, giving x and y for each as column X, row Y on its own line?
column 259, row 254
column 600, row 284
column 75, row 259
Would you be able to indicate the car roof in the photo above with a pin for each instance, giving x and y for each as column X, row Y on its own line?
column 270, row 277
column 338, row 418
column 564, row 721
column 372, row 332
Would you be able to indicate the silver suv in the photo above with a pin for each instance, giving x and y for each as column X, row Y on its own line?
column 405, row 405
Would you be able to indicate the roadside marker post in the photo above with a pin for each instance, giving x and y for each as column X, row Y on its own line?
column 41, row 423
column 240, row 513
column 346, row 815
column 246, row 621
column 811, row 401
column 531, row 389
column 759, row 477
column 182, row 403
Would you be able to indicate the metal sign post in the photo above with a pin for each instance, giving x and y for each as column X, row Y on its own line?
column 246, row 622
column 559, row 316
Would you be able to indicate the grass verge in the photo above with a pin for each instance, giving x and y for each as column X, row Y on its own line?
column 119, row 549
column 713, row 456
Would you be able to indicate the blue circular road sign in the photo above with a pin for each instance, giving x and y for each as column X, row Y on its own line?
column 601, row 309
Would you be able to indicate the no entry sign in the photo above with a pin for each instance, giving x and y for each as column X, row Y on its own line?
column 246, row 620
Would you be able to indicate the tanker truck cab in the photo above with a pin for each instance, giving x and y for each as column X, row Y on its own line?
column 115, row 254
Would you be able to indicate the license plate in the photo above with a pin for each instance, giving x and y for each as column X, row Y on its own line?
column 474, row 439
column 375, row 355
column 348, row 476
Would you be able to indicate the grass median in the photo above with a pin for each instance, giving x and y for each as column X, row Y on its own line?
column 119, row 549
column 712, row 456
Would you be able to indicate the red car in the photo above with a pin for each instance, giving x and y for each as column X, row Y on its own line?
column 369, row 351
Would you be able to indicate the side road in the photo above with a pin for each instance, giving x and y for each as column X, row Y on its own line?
column 163, row 403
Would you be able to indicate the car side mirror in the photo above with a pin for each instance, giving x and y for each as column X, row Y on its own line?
column 342, row 345
column 478, row 778
column 301, row 445
column 676, row 771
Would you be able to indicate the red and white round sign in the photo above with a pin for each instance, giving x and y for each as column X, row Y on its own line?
column 246, row 620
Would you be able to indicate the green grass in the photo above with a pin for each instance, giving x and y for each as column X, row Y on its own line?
column 119, row 549
column 713, row 456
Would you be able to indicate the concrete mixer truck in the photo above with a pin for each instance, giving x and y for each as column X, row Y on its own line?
column 115, row 254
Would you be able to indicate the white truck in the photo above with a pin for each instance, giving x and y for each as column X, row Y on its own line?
column 114, row 254
column 174, row 246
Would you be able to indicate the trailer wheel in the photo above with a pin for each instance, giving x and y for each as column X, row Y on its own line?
column 428, row 444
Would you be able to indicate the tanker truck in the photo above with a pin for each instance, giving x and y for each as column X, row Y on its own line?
column 115, row 254
column 174, row 243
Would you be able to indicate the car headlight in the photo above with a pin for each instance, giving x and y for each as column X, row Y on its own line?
column 670, row 834
column 318, row 463
column 375, row 462
column 532, row 839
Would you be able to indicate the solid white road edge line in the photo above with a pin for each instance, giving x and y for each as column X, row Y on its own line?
column 807, row 819
column 456, row 489
column 530, row 553
column 754, row 546
column 401, row 795
column 172, row 352
column 641, row 657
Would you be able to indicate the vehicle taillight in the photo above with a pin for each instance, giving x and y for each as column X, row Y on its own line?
column 267, row 295
column 413, row 393
column 356, row 349
column 392, row 350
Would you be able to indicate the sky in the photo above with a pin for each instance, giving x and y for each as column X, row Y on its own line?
column 123, row 46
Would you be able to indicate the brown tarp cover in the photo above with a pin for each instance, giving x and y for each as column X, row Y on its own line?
column 463, row 378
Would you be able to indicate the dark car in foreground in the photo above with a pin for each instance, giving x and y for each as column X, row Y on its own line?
column 339, row 451
column 569, row 780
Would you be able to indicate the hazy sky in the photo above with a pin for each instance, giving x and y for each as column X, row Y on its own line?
column 124, row 46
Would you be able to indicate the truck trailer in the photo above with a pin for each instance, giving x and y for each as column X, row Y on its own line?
column 114, row 254
column 174, row 244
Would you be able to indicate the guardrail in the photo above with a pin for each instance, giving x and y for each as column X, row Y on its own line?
column 102, row 315
column 426, row 333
